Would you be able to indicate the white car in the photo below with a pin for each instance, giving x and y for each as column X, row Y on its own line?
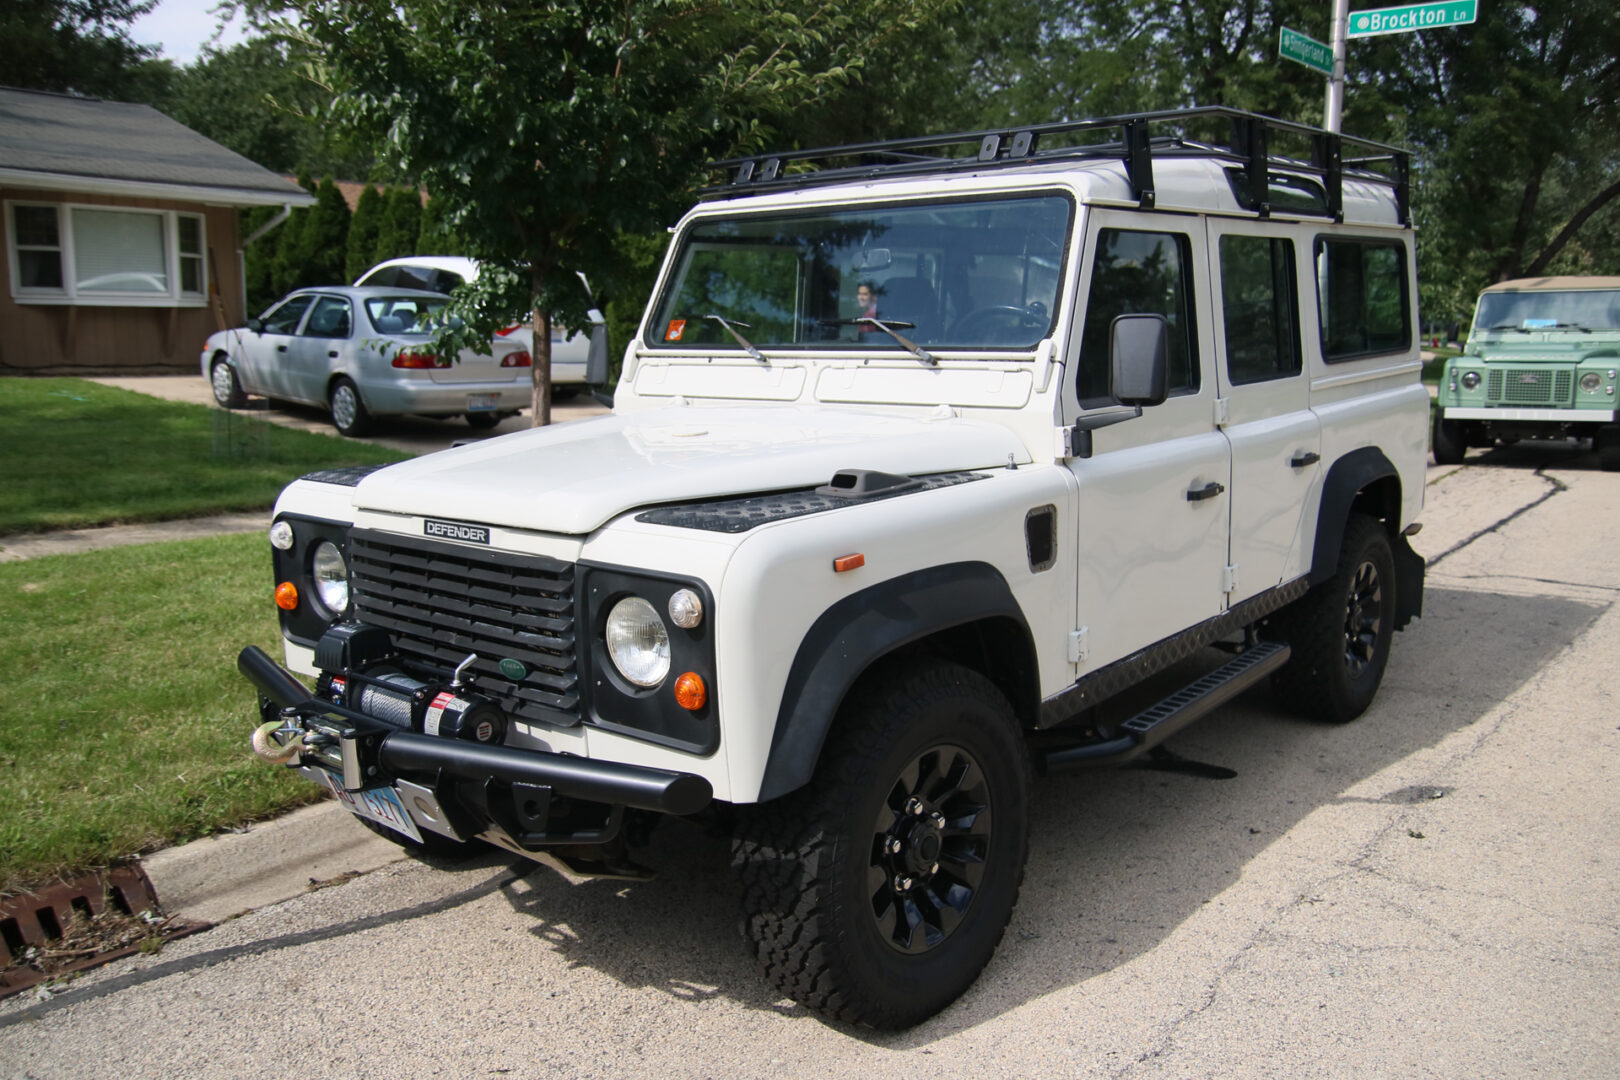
column 364, row 353
column 441, row 273
column 921, row 472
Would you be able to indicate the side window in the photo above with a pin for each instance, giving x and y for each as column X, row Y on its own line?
column 1361, row 287
column 1138, row 273
column 330, row 319
column 387, row 277
column 284, row 319
column 1260, row 308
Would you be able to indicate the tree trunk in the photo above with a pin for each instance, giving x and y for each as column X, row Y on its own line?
column 540, row 398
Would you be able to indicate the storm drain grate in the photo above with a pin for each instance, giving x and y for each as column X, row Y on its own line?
column 80, row 924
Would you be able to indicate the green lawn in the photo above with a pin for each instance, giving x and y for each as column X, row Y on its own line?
column 127, row 724
column 77, row 454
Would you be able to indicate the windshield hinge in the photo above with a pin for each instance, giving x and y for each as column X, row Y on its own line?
column 1079, row 648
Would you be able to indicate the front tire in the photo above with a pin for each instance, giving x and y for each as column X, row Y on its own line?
column 227, row 389
column 1607, row 444
column 877, row 893
column 349, row 414
column 1448, row 441
column 1340, row 631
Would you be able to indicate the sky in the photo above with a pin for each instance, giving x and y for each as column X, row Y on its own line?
column 182, row 27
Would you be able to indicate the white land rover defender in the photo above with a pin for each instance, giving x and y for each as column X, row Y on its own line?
column 919, row 459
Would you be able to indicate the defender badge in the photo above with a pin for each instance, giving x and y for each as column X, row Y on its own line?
column 514, row 669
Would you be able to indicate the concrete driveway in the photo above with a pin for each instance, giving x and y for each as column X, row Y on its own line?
column 1430, row 891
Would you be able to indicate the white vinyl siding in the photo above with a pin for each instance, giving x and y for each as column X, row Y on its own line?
column 109, row 256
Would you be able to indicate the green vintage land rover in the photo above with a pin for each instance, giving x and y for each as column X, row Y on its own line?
column 1541, row 363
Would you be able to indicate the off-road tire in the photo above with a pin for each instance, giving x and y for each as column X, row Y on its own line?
column 349, row 413
column 1340, row 631
column 1607, row 444
column 921, row 795
column 1448, row 441
column 227, row 388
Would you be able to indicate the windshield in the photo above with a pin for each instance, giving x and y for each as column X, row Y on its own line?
column 1582, row 309
column 971, row 274
column 405, row 314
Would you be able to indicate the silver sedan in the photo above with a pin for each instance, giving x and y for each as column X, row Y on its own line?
column 364, row 353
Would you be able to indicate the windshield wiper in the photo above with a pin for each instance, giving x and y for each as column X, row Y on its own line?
column 731, row 328
column 893, row 328
column 1508, row 326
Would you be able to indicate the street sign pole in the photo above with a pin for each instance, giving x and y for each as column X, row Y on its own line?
column 1333, row 111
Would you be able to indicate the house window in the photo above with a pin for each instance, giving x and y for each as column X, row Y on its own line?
column 74, row 254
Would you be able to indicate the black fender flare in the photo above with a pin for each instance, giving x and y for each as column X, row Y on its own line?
column 1346, row 479
column 857, row 631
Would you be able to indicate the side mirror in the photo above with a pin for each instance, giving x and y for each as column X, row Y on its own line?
column 596, row 360
column 1139, row 359
column 255, row 324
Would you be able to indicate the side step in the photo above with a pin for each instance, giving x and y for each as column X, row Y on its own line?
column 1157, row 723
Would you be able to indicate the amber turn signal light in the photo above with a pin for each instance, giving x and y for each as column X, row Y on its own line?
column 690, row 693
column 287, row 596
column 848, row 562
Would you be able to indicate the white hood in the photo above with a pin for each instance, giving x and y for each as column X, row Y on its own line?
column 573, row 477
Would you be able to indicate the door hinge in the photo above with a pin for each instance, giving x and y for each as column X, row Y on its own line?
column 1229, row 579
column 1078, row 648
column 1223, row 411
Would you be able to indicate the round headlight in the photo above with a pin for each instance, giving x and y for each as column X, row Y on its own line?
column 331, row 576
column 1591, row 381
column 638, row 642
column 1470, row 379
column 685, row 609
column 281, row 536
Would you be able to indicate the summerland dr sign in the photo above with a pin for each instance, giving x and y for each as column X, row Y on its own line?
column 1298, row 47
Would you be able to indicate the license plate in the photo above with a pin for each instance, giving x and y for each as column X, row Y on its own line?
column 381, row 805
column 483, row 402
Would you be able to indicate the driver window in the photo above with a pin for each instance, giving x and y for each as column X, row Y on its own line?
column 284, row 320
column 1138, row 273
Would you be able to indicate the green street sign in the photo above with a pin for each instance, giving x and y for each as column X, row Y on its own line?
column 1401, row 20
column 1295, row 46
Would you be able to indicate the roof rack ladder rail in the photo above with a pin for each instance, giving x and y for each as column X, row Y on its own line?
column 1250, row 138
column 1402, row 165
column 1329, row 157
column 1139, row 161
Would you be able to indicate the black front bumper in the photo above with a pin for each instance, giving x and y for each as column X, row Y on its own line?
column 537, row 798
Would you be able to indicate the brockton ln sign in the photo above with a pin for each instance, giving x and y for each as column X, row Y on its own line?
column 1398, row 20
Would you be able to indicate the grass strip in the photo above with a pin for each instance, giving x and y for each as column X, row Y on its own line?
column 126, row 726
column 80, row 454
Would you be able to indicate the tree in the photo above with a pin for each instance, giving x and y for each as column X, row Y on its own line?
column 80, row 47
column 401, row 223
column 436, row 236
column 325, row 238
column 363, row 228
column 550, row 129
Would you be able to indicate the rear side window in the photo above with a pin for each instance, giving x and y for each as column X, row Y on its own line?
column 1362, row 290
column 1260, row 309
column 387, row 277
column 1138, row 273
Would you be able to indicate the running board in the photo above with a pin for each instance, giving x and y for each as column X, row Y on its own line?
column 1153, row 725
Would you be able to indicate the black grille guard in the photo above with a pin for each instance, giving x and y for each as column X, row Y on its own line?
column 398, row 753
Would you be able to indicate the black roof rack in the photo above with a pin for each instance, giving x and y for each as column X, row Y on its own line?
column 1135, row 144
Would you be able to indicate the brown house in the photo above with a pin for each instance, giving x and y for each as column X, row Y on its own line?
column 122, row 247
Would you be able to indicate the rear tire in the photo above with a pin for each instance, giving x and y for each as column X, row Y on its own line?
column 349, row 414
column 1340, row 631
column 1448, row 441
column 227, row 389
column 877, row 893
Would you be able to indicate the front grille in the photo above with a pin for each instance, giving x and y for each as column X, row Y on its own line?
column 1530, row 386
column 440, row 602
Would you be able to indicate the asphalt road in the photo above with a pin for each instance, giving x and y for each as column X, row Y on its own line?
column 1431, row 891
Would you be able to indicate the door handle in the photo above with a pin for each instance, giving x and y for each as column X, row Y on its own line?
column 332, row 353
column 1309, row 457
column 281, row 348
column 1208, row 491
